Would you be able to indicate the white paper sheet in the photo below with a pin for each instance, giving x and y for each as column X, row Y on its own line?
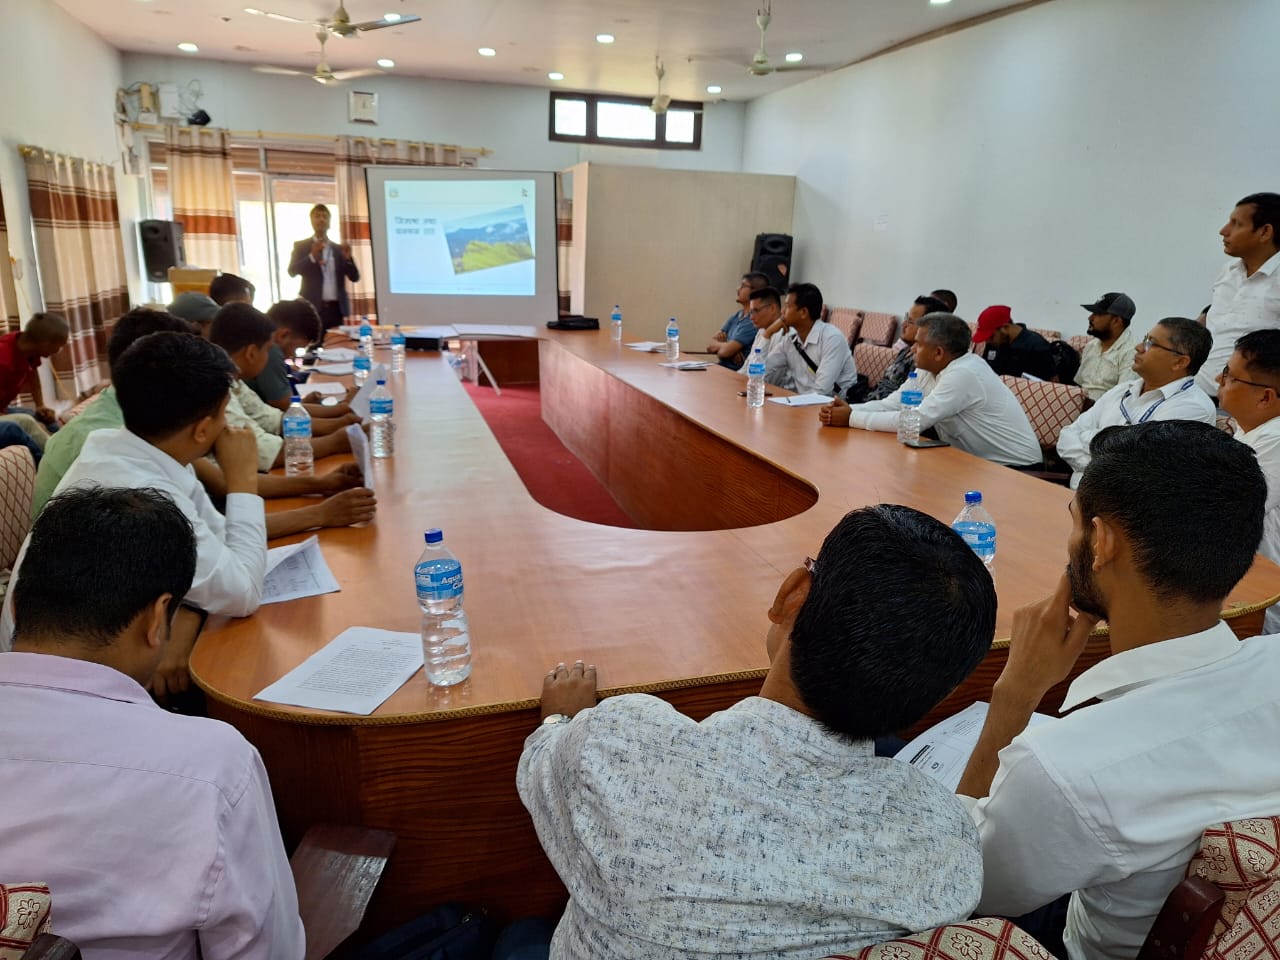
column 686, row 364
column 494, row 330
column 326, row 388
column 802, row 400
column 361, row 452
column 646, row 346
column 353, row 673
column 943, row 750
column 338, row 354
column 334, row 369
column 297, row 571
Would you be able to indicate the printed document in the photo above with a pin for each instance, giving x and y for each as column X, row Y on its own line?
column 297, row 571
column 943, row 750
column 354, row 673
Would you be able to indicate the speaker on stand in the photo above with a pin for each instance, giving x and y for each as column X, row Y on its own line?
column 161, row 248
column 772, row 257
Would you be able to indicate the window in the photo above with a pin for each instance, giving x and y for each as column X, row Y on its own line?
column 625, row 122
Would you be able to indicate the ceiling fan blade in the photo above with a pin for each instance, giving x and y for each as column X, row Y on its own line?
column 813, row 69
column 379, row 24
column 275, row 16
column 282, row 71
column 352, row 74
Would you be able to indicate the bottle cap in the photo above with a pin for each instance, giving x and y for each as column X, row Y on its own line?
column 295, row 399
column 912, row 375
column 973, row 496
column 433, row 535
column 382, row 383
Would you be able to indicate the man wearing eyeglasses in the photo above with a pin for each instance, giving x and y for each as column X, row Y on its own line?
column 1166, row 362
column 1249, row 390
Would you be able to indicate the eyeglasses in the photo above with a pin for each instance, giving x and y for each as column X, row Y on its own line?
column 1150, row 342
column 1228, row 376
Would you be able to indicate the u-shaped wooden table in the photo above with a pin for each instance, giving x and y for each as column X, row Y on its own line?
column 731, row 500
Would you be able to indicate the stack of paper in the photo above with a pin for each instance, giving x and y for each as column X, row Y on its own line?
column 686, row 364
column 647, row 346
column 803, row 400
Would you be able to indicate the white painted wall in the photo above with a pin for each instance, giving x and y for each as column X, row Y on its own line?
column 1037, row 160
column 510, row 120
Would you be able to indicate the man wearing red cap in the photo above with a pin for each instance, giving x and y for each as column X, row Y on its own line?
column 1011, row 348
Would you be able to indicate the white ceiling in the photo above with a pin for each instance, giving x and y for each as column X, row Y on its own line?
column 532, row 37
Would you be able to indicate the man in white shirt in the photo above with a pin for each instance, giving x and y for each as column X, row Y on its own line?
column 812, row 357
column 1166, row 363
column 156, row 832
column 765, row 311
column 1246, row 295
column 1108, row 803
column 1249, row 390
column 964, row 399
column 1106, row 357
column 771, row 830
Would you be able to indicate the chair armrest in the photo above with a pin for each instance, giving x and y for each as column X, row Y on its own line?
column 1185, row 922
column 336, row 869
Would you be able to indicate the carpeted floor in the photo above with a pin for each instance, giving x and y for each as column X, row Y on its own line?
column 553, row 475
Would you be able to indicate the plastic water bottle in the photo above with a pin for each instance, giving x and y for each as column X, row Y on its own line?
column 366, row 338
column 615, row 323
column 397, row 350
column 755, row 379
column 446, row 639
column 977, row 528
column 673, row 339
column 362, row 366
column 381, row 430
column 299, row 458
column 909, row 415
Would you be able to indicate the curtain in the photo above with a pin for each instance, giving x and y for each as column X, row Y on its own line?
column 351, row 155
column 564, row 242
column 80, row 255
column 202, row 193
column 9, row 319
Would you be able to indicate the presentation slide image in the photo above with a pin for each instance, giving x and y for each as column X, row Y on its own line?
column 489, row 240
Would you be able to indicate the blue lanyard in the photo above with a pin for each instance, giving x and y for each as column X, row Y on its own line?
column 1124, row 411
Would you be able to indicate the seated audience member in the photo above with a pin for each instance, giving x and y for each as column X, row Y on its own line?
column 13, row 435
column 1106, row 357
column 1249, row 390
column 765, row 311
column 297, row 326
column 245, row 334
column 156, row 832
column 1166, row 363
column 228, row 288
column 947, row 297
column 1108, row 803
column 196, row 309
column 173, row 389
column 813, row 356
column 349, row 506
column 774, row 817
column 1011, row 348
column 20, row 355
column 965, row 402
column 905, row 361
column 732, row 340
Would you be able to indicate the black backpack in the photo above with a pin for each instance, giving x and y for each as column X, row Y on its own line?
column 1065, row 361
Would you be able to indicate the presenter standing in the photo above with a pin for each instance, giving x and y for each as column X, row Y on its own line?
column 324, row 267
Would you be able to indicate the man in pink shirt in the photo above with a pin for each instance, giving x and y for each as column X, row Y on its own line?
column 155, row 832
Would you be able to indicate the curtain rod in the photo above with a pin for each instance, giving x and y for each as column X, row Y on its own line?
column 264, row 135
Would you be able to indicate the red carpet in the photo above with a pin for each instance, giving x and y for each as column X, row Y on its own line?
column 553, row 475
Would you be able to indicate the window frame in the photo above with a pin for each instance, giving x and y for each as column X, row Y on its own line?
column 593, row 100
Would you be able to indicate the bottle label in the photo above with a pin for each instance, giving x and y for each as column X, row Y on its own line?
column 362, row 363
column 296, row 429
column 755, row 370
column 438, row 584
column 380, row 406
column 912, row 398
column 981, row 537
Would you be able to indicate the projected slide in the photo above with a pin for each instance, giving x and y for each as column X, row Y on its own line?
column 461, row 238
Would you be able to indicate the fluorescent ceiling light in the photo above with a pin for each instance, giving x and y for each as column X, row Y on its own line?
column 555, row 75
column 938, row 3
column 604, row 38
column 794, row 57
column 386, row 63
column 487, row 52
column 391, row 17
column 188, row 48
column 714, row 88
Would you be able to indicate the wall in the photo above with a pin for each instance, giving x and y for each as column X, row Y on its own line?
column 510, row 120
column 1037, row 160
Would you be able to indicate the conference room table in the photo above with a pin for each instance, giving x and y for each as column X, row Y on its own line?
column 727, row 500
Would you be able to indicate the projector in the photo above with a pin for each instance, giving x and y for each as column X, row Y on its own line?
column 660, row 103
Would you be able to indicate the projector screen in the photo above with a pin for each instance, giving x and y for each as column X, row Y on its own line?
column 463, row 246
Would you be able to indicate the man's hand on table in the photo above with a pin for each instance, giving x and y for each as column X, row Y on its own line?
column 835, row 414
column 567, row 690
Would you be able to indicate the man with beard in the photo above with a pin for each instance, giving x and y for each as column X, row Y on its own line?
column 1171, row 733
column 1106, row 357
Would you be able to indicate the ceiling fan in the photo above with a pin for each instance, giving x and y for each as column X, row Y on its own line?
column 661, row 101
column 340, row 24
column 322, row 73
column 760, row 65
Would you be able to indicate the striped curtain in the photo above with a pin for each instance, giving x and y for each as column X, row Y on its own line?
column 202, row 192
column 9, row 320
column 81, row 260
column 564, row 242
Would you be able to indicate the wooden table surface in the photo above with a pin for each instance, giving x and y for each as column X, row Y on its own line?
column 731, row 498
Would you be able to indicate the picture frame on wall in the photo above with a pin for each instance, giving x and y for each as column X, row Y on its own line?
column 362, row 107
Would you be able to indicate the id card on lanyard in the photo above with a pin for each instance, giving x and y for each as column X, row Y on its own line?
column 1146, row 415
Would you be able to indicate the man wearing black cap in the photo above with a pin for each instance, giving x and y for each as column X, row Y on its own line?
column 1109, row 356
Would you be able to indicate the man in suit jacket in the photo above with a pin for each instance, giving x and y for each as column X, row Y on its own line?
column 323, row 265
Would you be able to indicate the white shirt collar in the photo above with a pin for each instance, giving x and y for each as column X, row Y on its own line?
column 1268, row 428
column 1268, row 269
column 1128, row 669
column 1172, row 388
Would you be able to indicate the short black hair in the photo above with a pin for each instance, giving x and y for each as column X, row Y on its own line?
column 227, row 286
column 756, row 279
column 319, row 206
column 1266, row 212
column 947, row 331
column 768, row 295
column 871, row 657
column 299, row 316
column 1190, row 338
column 808, row 297
column 167, row 381
column 947, row 297
column 240, row 325
column 932, row 305
column 138, row 322
column 1260, row 351
column 1164, row 483
column 96, row 559
column 47, row 328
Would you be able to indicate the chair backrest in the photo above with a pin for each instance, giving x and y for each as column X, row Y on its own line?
column 17, row 490
column 879, row 328
column 872, row 360
column 1226, row 424
column 1048, row 334
column 986, row 938
column 1049, row 406
column 24, row 916
column 66, row 416
column 1242, row 858
column 1079, row 342
column 848, row 321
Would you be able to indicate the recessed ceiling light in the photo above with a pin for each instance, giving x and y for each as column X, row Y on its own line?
column 254, row 10
column 555, row 75
column 794, row 57
column 391, row 17
column 938, row 3
column 487, row 52
column 188, row 48
column 714, row 88
column 604, row 38
column 386, row 63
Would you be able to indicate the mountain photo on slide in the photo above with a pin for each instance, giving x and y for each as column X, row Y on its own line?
column 487, row 240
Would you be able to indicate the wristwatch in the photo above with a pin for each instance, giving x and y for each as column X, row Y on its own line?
column 554, row 718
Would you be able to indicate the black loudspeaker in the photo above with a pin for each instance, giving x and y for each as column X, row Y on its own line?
column 161, row 248
column 772, row 257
